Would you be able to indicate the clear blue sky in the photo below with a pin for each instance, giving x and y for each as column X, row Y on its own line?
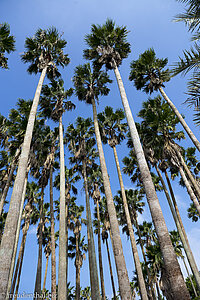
column 150, row 24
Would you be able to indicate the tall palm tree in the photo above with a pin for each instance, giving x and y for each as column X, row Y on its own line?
column 7, row 44
column 88, row 86
column 44, row 53
column 53, row 104
column 113, row 131
column 148, row 75
column 81, row 144
column 108, row 45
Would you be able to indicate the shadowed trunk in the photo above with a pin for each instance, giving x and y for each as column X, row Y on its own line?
column 38, row 281
column 53, row 243
column 138, row 268
column 124, row 284
column 94, row 280
column 176, row 284
column 62, row 284
column 8, row 239
column 77, row 269
column 100, row 253
column 111, row 272
column 45, row 275
column 181, row 120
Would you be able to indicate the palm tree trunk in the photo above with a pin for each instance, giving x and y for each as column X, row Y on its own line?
column 77, row 269
column 20, row 259
column 152, row 293
column 111, row 272
column 53, row 243
column 8, row 239
column 185, row 242
column 45, row 275
column 124, row 284
column 66, row 215
column 6, row 188
column 17, row 234
column 94, row 280
column 38, row 281
column 181, row 120
column 190, row 190
column 138, row 268
column 175, row 278
column 62, row 285
column 195, row 292
column 100, row 254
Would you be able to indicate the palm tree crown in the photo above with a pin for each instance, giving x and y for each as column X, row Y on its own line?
column 7, row 44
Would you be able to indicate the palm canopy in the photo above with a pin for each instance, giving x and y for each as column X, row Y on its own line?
column 107, row 44
column 147, row 72
column 90, row 85
column 45, row 48
column 191, row 16
column 54, row 101
column 7, row 44
column 111, row 126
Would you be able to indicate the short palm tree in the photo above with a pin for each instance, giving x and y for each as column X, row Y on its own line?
column 7, row 44
column 108, row 45
column 45, row 54
column 149, row 75
column 88, row 86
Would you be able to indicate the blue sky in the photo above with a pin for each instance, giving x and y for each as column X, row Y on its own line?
column 150, row 25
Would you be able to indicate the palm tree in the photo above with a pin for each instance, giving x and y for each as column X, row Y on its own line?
column 44, row 53
column 88, row 87
column 81, row 144
column 113, row 131
column 148, row 75
column 7, row 44
column 53, row 105
column 108, row 45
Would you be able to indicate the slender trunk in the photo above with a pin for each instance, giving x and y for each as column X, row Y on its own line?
column 124, row 284
column 77, row 269
column 138, row 268
column 100, row 254
column 45, row 275
column 17, row 234
column 181, row 120
column 20, row 259
column 62, row 284
column 184, row 241
column 190, row 190
column 189, row 276
column 176, row 283
column 111, row 272
column 158, row 290
column 66, row 243
column 152, row 293
column 8, row 239
column 38, row 281
column 6, row 188
column 94, row 280
column 189, row 174
column 53, row 243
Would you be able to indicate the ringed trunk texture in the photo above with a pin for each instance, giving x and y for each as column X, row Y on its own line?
column 111, row 272
column 185, row 242
column 181, row 120
column 8, row 239
column 62, row 284
column 190, row 190
column 100, row 254
column 5, row 191
column 53, row 243
column 124, row 284
column 176, row 285
column 138, row 268
column 94, row 280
